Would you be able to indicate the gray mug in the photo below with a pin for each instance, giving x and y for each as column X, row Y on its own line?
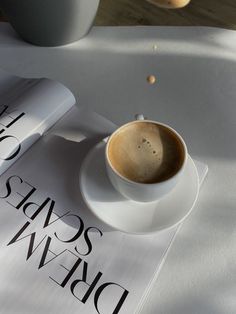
column 50, row 22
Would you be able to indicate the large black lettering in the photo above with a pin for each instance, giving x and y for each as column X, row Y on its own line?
column 78, row 232
column 120, row 302
column 27, row 196
column 13, row 118
column 13, row 149
column 48, row 220
column 43, row 261
column 8, row 186
column 88, row 241
column 70, row 271
column 32, row 248
column 39, row 208
column 83, row 281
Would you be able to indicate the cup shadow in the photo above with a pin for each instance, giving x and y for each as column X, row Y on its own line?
column 69, row 168
column 96, row 180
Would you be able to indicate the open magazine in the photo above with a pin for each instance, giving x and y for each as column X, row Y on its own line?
column 55, row 256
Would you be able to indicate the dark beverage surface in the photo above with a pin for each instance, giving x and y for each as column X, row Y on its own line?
column 146, row 152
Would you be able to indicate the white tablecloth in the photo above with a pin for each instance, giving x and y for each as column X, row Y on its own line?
column 195, row 92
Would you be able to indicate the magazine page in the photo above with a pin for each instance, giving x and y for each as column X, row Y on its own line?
column 12, row 86
column 28, row 108
column 55, row 256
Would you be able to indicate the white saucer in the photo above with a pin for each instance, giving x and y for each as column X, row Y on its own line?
column 129, row 216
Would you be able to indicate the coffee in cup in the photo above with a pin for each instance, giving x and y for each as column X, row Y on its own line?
column 146, row 152
column 144, row 159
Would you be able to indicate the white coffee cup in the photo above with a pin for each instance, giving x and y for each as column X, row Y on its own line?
column 139, row 191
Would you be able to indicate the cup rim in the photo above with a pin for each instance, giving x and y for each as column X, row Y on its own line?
column 152, row 183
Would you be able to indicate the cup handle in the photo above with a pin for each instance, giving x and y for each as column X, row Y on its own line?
column 139, row 116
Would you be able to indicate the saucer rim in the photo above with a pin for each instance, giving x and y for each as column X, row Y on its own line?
column 166, row 227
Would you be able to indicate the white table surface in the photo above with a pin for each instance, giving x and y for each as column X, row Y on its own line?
column 196, row 94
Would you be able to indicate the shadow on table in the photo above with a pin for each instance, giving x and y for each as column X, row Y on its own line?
column 195, row 90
